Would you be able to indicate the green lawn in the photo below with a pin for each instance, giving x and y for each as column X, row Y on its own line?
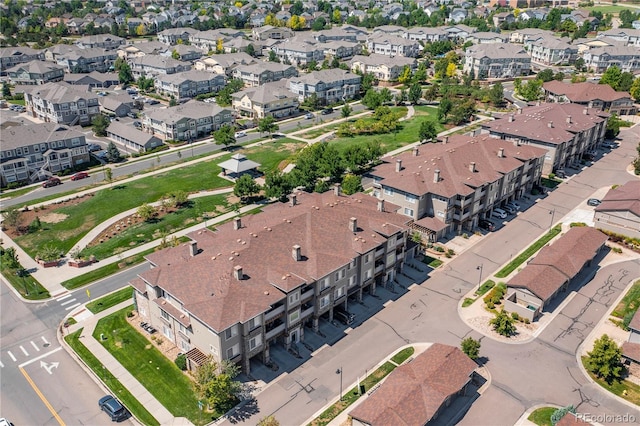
column 144, row 232
column 431, row 261
column 542, row 416
column 467, row 302
column 629, row 303
column 613, row 9
column 114, row 385
column 488, row 285
column 110, row 300
column 271, row 155
column 406, row 134
column 530, row 251
column 27, row 286
column 622, row 388
column 160, row 376
column 403, row 355
column 104, row 271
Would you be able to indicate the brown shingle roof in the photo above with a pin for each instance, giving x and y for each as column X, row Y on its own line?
column 631, row 351
column 319, row 223
column 584, row 92
column 414, row 392
column 453, row 160
column 570, row 419
column 559, row 262
column 622, row 198
column 635, row 321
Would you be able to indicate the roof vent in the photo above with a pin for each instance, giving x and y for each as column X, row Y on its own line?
column 550, row 124
column 472, row 167
column 353, row 224
column 237, row 223
column 501, row 153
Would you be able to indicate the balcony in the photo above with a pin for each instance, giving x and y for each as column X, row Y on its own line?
column 379, row 252
column 307, row 312
column 270, row 334
column 307, row 294
column 274, row 313
column 379, row 269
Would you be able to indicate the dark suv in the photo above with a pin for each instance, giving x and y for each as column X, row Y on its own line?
column 343, row 315
column 113, row 408
column 486, row 225
column 327, row 111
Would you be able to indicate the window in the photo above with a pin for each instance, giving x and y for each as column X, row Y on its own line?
column 352, row 280
column 164, row 315
column 324, row 301
column 254, row 322
column 184, row 346
column 341, row 274
column 166, row 330
column 231, row 332
column 338, row 293
column 388, row 191
column 294, row 316
column 368, row 274
column 255, row 342
column 182, row 329
column 293, row 298
column 408, row 212
column 352, row 264
column 410, row 198
column 233, row 351
column 324, row 283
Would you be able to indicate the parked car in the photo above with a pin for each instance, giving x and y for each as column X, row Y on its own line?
column 327, row 111
column 343, row 315
column 609, row 145
column 137, row 124
column 52, row 181
column 113, row 408
column 240, row 134
column 514, row 205
column 486, row 225
column 309, row 115
column 93, row 147
column 80, row 175
column 561, row 174
column 509, row 209
column 594, row 202
column 131, row 115
column 589, row 157
column 499, row 213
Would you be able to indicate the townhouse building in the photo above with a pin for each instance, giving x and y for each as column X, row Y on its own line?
column 224, row 63
column 103, row 41
column 185, row 53
column 270, row 32
column 264, row 72
column 171, row 36
column 486, row 38
column 628, row 36
column 592, row 95
column 135, row 50
column 448, row 187
column 496, row 61
column 428, row 34
column 209, row 40
column 567, row 131
column 32, row 152
column 524, row 35
column 132, row 138
column 384, row 68
column 35, row 72
column 269, row 99
column 458, row 32
column 77, row 60
column 599, row 59
column 260, row 280
column 390, row 45
column 551, row 51
column 338, row 34
column 189, row 84
column 340, row 49
column 61, row 103
column 619, row 211
column 186, row 122
column 150, row 66
column 330, row 86
column 94, row 79
column 12, row 56
column 298, row 53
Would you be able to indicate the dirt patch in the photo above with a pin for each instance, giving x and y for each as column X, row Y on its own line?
column 54, row 217
column 166, row 347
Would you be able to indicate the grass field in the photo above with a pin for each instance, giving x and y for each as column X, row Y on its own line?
column 629, row 303
column 405, row 135
column 542, row 416
column 613, row 9
column 622, row 388
column 27, row 286
column 530, row 251
column 110, row 300
column 160, row 376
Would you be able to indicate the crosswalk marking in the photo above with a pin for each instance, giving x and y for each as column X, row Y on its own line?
column 24, row 351
column 68, row 301
column 64, row 297
column 35, row 346
column 11, row 355
column 68, row 308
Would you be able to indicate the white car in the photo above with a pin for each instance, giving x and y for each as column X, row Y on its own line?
column 499, row 213
column 240, row 134
column 514, row 205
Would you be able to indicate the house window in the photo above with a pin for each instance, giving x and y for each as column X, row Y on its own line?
column 231, row 332
column 352, row 280
column 142, row 310
column 166, row 330
column 338, row 293
column 352, row 264
column 367, row 258
column 341, row 274
column 408, row 212
column 410, row 198
column 164, row 315
column 368, row 274
column 233, row 351
column 388, row 191
column 293, row 298
column 184, row 346
column 254, row 322
column 294, row 316
column 255, row 342
column 325, row 301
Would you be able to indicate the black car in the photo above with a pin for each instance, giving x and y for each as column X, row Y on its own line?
column 113, row 408
column 327, row 111
column 343, row 315
column 594, row 202
column 486, row 225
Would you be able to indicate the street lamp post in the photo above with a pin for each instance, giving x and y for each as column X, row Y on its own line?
column 339, row 371
column 552, row 213
column 191, row 143
column 479, row 268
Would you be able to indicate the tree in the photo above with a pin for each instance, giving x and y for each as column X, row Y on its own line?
column 471, row 347
column 579, row 65
column 336, row 17
column 224, row 136
column 220, row 46
column 113, row 154
column 273, row 57
column 351, row 184
column 626, row 81
column 214, row 383
column 124, row 71
column 415, row 93
column 428, row 131
column 451, row 70
column 634, row 91
column 385, row 95
column 444, row 109
column 530, row 91
column 405, row 76
column 605, row 359
column 496, row 95
column 6, row 90
column 268, row 125
column 612, row 77
column 146, row 212
column 108, row 175
column 330, row 162
column 99, row 124
column 372, row 99
column 268, row 421
column 613, row 127
column 12, row 217
column 503, row 324
column 175, row 55
column 245, row 186
column 319, row 24
column 250, row 50
column 559, row 76
column 277, row 185
column 346, row 111
column 421, row 73
column 312, row 66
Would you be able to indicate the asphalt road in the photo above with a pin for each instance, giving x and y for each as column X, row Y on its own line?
column 32, row 358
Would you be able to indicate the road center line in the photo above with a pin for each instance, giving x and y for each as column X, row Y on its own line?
column 24, row 364
column 46, row 403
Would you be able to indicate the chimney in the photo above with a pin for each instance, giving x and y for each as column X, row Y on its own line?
column 519, row 111
column 550, row 124
column 353, row 224
column 296, row 253
column 511, row 118
column 293, row 199
column 415, row 151
column 501, row 153
column 380, row 205
column 445, row 140
column 193, row 248
column 538, row 103
column 237, row 272
column 398, row 165
column 337, row 189
column 585, row 111
column 237, row 223
column 436, row 175
column 472, row 167
column 568, row 119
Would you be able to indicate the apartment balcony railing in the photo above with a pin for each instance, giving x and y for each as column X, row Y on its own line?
column 307, row 295
column 274, row 313
column 307, row 312
column 274, row 332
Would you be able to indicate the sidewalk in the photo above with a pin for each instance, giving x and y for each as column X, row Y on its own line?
column 136, row 389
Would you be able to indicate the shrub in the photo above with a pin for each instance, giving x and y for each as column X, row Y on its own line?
column 515, row 316
column 130, row 314
column 490, row 305
column 577, row 224
column 181, row 362
column 450, row 252
column 527, row 321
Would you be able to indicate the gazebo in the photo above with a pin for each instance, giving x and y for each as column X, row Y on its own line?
column 237, row 165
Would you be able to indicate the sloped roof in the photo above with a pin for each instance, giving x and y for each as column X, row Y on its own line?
column 623, row 198
column 239, row 163
column 584, row 92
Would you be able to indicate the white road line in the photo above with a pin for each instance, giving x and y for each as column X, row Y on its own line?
column 1, row 364
column 68, row 308
column 11, row 355
column 35, row 346
column 68, row 301
column 40, row 357
column 45, row 340
column 64, row 297
column 24, row 351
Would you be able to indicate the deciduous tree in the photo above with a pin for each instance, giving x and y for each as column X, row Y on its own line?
column 146, row 212
column 351, row 184
column 99, row 124
column 503, row 324
column 268, row 125
column 277, row 185
column 428, row 131
column 245, row 186
column 415, row 93
column 605, row 359
column 471, row 347
column 225, row 136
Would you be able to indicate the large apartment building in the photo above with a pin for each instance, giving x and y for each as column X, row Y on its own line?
column 61, row 103
column 566, row 131
column 259, row 280
column 186, row 122
column 592, row 95
column 189, row 84
column 496, row 61
column 449, row 187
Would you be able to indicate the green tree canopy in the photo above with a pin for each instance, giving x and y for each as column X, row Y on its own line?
column 471, row 347
column 503, row 324
column 612, row 77
column 225, row 136
column 113, row 153
column 268, row 125
column 99, row 124
column 428, row 131
column 415, row 93
column 245, row 186
column 605, row 359
column 277, row 185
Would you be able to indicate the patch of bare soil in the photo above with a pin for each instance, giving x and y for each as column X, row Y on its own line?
column 125, row 223
column 54, row 217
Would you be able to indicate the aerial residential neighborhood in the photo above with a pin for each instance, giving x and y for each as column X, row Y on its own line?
column 320, row 212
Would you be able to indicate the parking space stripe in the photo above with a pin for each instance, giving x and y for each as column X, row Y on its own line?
column 45, row 340
column 35, row 346
column 24, row 351
column 1, row 364
column 11, row 355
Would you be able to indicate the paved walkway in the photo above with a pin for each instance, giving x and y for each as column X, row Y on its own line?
column 87, row 322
